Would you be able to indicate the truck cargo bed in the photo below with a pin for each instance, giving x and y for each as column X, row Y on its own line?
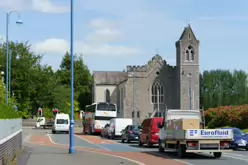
column 199, row 134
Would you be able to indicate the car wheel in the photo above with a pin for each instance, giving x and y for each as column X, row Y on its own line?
column 122, row 140
column 148, row 143
column 53, row 132
column 128, row 141
column 217, row 154
column 140, row 142
column 160, row 148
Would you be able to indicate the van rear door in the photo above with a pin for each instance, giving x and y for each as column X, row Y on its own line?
column 155, row 122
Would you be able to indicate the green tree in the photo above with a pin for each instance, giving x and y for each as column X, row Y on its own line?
column 222, row 87
column 82, row 78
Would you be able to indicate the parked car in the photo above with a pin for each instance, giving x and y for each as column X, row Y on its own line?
column 117, row 125
column 130, row 133
column 104, row 132
column 150, row 132
column 240, row 139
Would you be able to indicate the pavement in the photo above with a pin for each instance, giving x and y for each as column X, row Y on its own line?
column 53, row 149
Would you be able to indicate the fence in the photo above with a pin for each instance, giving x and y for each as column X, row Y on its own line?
column 10, row 139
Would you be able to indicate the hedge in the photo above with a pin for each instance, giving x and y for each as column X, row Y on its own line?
column 233, row 116
column 8, row 112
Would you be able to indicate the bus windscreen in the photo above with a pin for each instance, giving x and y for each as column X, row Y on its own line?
column 106, row 107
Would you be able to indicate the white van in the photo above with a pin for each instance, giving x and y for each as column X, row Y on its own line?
column 117, row 125
column 61, row 123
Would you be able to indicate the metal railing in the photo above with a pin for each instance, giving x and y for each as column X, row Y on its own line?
column 10, row 139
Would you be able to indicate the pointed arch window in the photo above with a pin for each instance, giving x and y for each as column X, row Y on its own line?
column 107, row 95
column 189, row 53
column 157, row 91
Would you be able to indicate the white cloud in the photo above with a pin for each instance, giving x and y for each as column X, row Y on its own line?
column 106, row 50
column 99, row 42
column 51, row 45
column 102, row 24
column 60, row 46
column 104, row 31
column 224, row 18
column 46, row 6
column 104, row 35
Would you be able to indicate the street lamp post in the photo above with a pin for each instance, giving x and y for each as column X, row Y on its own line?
column 7, row 48
column 72, row 149
column 158, row 101
column 158, row 96
column 134, row 98
column 190, row 91
column 10, row 73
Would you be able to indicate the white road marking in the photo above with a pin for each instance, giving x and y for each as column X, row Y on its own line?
column 92, row 143
column 229, row 156
column 235, row 155
column 120, row 157
column 50, row 138
column 27, row 138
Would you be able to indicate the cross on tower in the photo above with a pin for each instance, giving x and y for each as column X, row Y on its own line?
column 156, row 50
column 187, row 21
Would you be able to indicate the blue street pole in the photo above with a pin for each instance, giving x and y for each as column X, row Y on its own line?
column 7, row 56
column 72, row 149
column 10, row 65
column 7, row 50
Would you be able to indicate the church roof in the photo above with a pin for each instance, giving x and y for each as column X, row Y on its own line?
column 108, row 77
column 187, row 30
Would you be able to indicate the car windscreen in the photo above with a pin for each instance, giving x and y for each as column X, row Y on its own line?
column 62, row 121
column 135, row 128
column 238, row 132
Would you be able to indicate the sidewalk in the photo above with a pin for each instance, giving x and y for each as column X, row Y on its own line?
column 42, row 155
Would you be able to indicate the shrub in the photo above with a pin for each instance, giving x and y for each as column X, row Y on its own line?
column 8, row 112
column 234, row 116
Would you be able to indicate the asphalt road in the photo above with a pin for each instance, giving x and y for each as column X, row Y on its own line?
column 40, row 154
column 231, row 158
column 239, row 157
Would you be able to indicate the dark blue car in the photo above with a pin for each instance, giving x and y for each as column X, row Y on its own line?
column 240, row 139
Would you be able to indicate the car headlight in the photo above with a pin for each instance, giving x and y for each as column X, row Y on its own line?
column 241, row 141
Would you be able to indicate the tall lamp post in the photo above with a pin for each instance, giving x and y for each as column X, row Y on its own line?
column 7, row 47
column 134, row 98
column 72, row 149
column 10, row 73
column 158, row 97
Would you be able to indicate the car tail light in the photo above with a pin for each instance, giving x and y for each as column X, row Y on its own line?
column 224, row 144
column 192, row 144
column 153, row 132
column 130, row 132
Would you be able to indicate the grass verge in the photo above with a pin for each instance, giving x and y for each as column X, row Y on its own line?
column 16, row 155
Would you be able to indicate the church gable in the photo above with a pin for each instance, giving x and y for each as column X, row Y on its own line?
column 188, row 34
column 156, row 63
column 108, row 78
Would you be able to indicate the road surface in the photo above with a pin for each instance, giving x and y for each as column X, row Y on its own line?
column 38, row 150
column 131, row 153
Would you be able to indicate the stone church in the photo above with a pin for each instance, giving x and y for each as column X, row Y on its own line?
column 154, row 85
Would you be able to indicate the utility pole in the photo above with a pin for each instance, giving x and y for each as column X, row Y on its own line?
column 134, row 98
column 158, row 101
column 190, row 91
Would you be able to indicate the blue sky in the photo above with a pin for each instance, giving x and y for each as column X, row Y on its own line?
column 112, row 34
